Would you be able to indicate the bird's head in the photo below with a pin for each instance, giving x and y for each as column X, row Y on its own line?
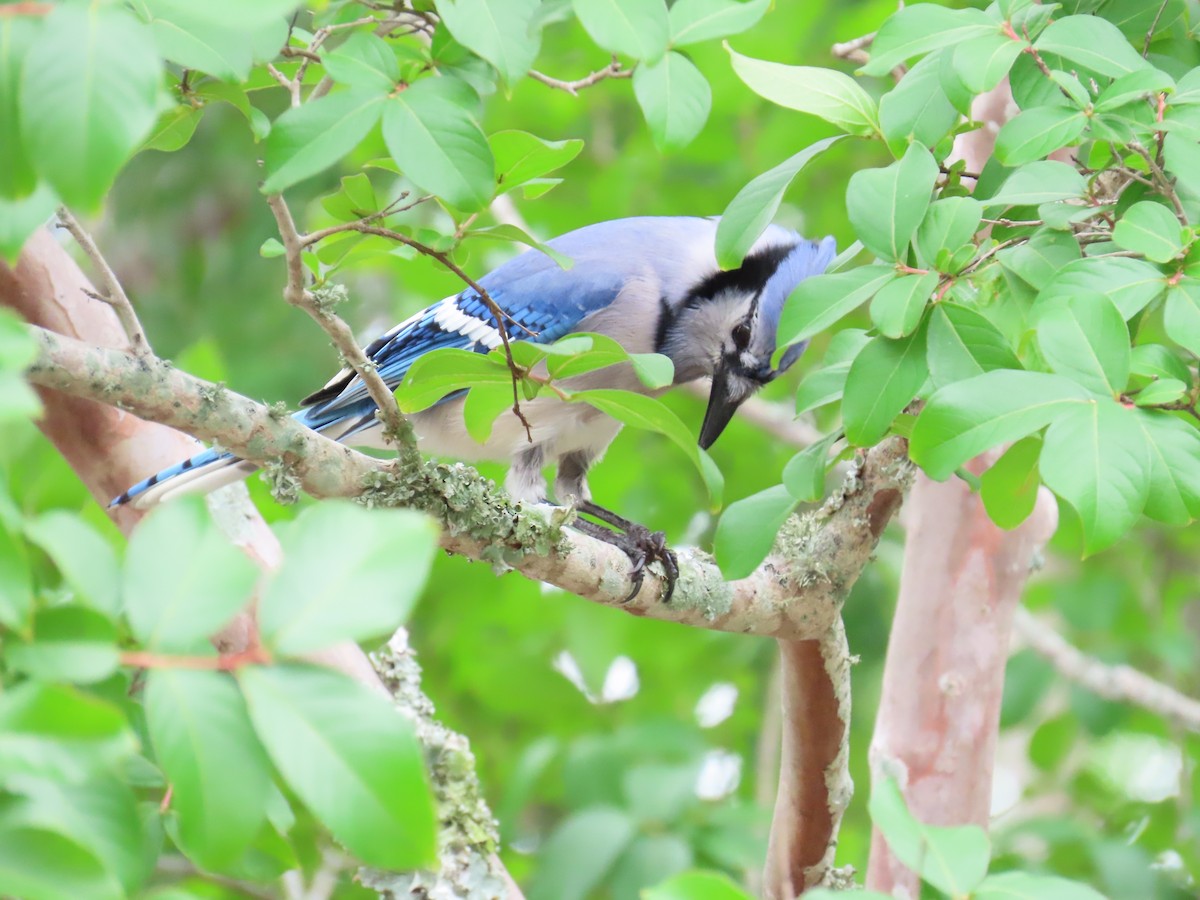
column 726, row 327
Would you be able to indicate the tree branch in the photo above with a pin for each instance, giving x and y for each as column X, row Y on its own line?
column 796, row 594
column 612, row 70
column 1122, row 684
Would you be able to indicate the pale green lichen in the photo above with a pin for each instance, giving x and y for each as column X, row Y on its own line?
column 468, row 834
column 701, row 587
column 328, row 296
column 285, row 485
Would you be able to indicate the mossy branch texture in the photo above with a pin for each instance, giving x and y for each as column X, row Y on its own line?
column 796, row 594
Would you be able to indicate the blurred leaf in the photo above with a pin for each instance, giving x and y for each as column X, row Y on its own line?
column 1028, row 886
column 647, row 861
column 747, row 529
column 173, row 129
column 693, row 21
column 315, row 135
column 580, row 853
column 17, row 175
column 1009, row 487
column 1095, row 457
column 41, row 865
column 364, row 60
column 187, row 34
column 675, row 99
column 380, row 557
column 58, row 731
column 350, row 756
column 883, row 379
column 918, row 29
column 88, row 98
column 501, row 31
column 637, row 28
column 953, row 860
column 821, row 300
column 1086, row 340
column 19, row 219
column 87, row 561
column 183, row 578
column 1092, row 42
column 439, row 145
column 825, row 93
column 964, row 418
column 659, row 793
column 1174, row 448
column 1182, row 314
column 885, row 206
column 699, row 886
column 69, row 643
column 217, row 769
column 1151, row 229
column 752, row 210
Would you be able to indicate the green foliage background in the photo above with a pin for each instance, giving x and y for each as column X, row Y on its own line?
column 1108, row 793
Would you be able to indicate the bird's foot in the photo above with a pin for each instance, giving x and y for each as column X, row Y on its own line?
column 638, row 542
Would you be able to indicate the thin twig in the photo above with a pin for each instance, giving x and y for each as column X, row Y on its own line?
column 111, row 291
column 1161, row 182
column 987, row 254
column 227, row 662
column 1120, row 683
column 1153, row 26
column 612, row 70
column 854, row 50
column 295, row 293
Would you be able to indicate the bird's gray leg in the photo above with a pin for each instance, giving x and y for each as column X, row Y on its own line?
column 525, row 482
column 638, row 542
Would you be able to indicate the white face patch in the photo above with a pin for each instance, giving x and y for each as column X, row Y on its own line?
column 452, row 319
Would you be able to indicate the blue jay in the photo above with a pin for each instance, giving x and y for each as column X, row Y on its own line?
column 651, row 283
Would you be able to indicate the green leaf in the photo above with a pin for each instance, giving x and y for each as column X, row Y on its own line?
column 918, row 29
column 58, row 731
column 100, row 815
column 1035, row 133
column 1043, row 181
column 1182, row 313
column 645, row 412
column 897, row 308
column 962, row 343
column 1169, row 390
column 364, row 60
column 481, row 407
column 1009, row 487
column 964, row 418
column 982, row 62
column 752, row 210
column 40, row 865
column 69, row 643
column 439, row 145
column 693, row 21
column 173, row 129
column 821, row 387
column 699, row 886
column 186, row 34
column 637, row 28
column 1181, row 158
column 509, row 232
column 1137, row 85
column 885, row 206
column 1085, row 339
column 19, row 219
column 315, row 135
column 675, row 99
column 246, row 15
column 436, row 375
column 1131, row 284
column 218, row 772
column 580, row 851
column 1038, row 260
column 521, row 156
column 953, row 860
column 654, row 369
column 818, row 302
column 1096, row 457
column 747, row 529
column 1092, row 42
column 88, row 97
column 183, row 579
column 883, row 379
column 501, row 31
column 917, row 109
column 350, row 756
column 804, row 475
column 1028, row 886
column 1156, row 361
column 16, row 580
column 949, row 224
column 87, row 561
column 825, row 93
column 236, row 97
column 1151, row 229
column 1174, row 448
column 380, row 557
column 652, row 857
column 17, row 175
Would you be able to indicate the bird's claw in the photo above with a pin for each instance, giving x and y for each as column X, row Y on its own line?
column 639, row 543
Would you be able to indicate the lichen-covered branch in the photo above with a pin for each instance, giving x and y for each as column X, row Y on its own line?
column 1122, row 684
column 796, row 594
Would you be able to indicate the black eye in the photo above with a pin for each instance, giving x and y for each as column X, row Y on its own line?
column 741, row 336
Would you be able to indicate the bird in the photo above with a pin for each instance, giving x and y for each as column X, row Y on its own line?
column 652, row 283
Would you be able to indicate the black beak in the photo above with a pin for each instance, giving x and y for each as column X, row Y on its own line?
column 721, row 408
